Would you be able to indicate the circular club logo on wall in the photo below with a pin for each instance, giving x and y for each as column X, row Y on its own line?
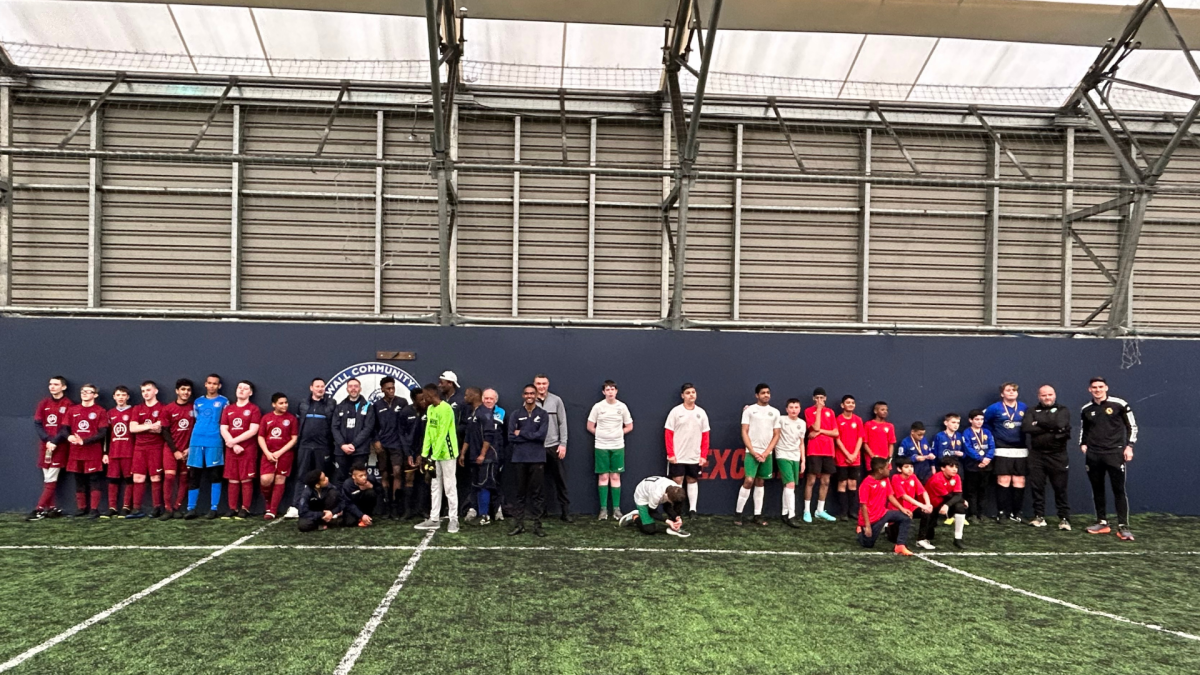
column 369, row 374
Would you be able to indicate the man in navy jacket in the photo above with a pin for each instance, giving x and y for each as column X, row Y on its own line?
column 527, row 427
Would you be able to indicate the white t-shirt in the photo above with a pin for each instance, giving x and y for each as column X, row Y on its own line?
column 610, row 421
column 689, row 427
column 791, row 437
column 652, row 491
column 763, row 421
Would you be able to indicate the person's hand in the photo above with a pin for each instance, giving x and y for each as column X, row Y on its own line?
column 562, row 452
column 348, row 448
column 984, row 463
column 1083, row 449
column 50, row 447
column 366, row 519
column 106, row 459
column 156, row 427
column 516, row 432
column 867, row 530
column 237, row 449
column 229, row 443
column 675, row 524
column 1128, row 453
column 703, row 462
column 480, row 458
column 73, row 440
column 327, row 516
column 907, row 512
column 412, row 461
column 945, row 510
column 185, row 452
column 178, row 456
column 376, row 446
column 927, row 508
column 671, row 460
column 462, row 460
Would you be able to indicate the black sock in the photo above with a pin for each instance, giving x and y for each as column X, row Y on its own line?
column 1018, row 501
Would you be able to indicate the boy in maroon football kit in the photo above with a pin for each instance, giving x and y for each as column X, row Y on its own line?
column 178, row 417
column 849, row 444
column 85, row 430
column 880, row 438
column 148, row 442
column 50, row 414
column 239, row 425
column 276, row 438
column 911, row 494
column 120, row 453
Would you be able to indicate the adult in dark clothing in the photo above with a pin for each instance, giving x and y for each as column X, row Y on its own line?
column 315, row 414
column 480, row 454
column 320, row 503
column 362, row 493
column 412, row 435
column 527, row 435
column 353, row 428
column 1048, row 429
column 556, row 442
column 390, row 410
column 1107, row 437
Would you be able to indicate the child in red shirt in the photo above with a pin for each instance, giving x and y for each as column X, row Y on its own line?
column 945, row 492
column 880, row 508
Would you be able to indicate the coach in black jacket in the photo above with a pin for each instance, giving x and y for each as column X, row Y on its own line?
column 315, row 431
column 1048, row 429
column 353, row 429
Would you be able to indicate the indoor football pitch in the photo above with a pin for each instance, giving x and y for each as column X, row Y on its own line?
column 111, row 597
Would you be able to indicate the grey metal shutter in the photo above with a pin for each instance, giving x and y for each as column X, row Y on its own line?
column 485, row 218
column 168, row 249
column 410, row 282
column 708, row 273
column 927, row 244
column 1166, row 278
column 799, row 251
column 50, row 228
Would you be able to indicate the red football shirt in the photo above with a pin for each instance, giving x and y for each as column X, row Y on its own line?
column 906, row 486
column 277, row 430
column 879, row 436
column 850, row 430
column 87, row 422
column 144, row 414
column 939, row 486
column 120, row 440
column 820, row 446
column 239, row 418
column 874, row 493
column 179, row 420
column 52, row 413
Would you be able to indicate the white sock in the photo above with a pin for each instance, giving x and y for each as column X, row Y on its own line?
column 758, row 499
column 959, row 520
column 821, row 506
column 789, row 502
column 693, row 493
column 808, row 507
column 743, row 495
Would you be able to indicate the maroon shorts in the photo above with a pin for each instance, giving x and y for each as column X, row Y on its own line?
column 171, row 464
column 281, row 468
column 241, row 467
column 58, row 458
column 88, row 465
column 120, row 467
column 147, row 461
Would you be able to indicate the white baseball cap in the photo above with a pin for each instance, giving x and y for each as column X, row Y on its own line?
column 449, row 376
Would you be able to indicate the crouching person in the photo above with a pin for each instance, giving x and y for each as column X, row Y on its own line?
column 321, row 504
column 880, row 508
column 362, row 493
column 651, row 495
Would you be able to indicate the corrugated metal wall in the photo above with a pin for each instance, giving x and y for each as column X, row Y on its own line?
column 308, row 236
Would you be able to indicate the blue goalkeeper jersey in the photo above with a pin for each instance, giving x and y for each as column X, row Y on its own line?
column 207, row 429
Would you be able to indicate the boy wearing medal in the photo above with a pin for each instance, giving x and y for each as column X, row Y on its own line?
column 949, row 441
column 917, row 450
column 1003, row 418
column 980, row 449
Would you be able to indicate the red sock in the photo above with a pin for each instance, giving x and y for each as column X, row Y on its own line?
column 266, row 493
column 247, row 494
column 139, row 495
column 156, row 493
column 168, row 490
column 129, row 490
column 47, row 499
column 233, row 494
column 181, row 486
column 113, row 493
column 276, row 496
column 96, row 498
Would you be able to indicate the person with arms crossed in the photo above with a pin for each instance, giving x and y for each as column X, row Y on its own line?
column 556, row 442
column 980, row 448
column 822, row 432
column 686, row 434
column 911, row 494
column 650, row 495
column 848, row 445
column 760, row 433
column 48, row 416
column 1048, row 428
column 1106, row 439
column 239, row 427
column 120, row 454
column 276, row 438
column 880, row 508
column 945, row 494
column 148, row 443
column 179, row 416
column 206, row 456
column 85, row 430
column 1004, row 418
column 880, row 437
column 609, row 421
column 440, row 446
column 789, row 458
column 527, row 429
column 353, row 428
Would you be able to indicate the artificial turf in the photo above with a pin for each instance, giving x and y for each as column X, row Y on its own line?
column 500, row 604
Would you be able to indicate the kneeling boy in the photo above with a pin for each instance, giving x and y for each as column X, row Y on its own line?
column 946, row 494
column 652, row 493
column 880, row 508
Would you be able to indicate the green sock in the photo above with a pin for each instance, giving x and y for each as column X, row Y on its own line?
column 603, row 497
column 616, row 497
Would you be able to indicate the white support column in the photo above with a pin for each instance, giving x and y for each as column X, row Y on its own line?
column 864, row 233
column 379, row 213
column 991, row 259
column 737, row 229
column 453, row 141
column 516, row 213
column 591, row 259
column 6, row 209
column 1067, row 245
column 235, row 217
column 665, row 306
column 95, row 211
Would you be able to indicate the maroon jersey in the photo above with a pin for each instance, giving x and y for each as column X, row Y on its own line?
column 239, row 418
column 277, row 430
column 120, row 440
column 89, row 424
column 145, row 414
column 51, row 413
column 179, row 420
